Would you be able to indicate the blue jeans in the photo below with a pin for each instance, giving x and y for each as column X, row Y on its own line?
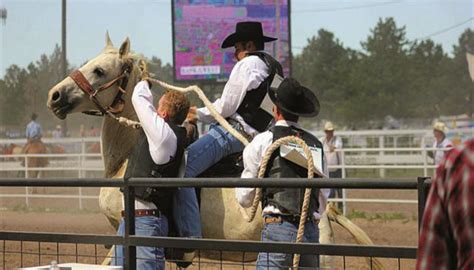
column 201, row 155
column 148, row 258
column 286, row 232
column 210, row 149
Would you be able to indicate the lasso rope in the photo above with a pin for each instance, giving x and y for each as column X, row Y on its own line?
column 221, row 120
column 307, row 193
column 193, row 88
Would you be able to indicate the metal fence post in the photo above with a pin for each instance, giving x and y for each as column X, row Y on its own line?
column 423, row 189
column 81, row 171
column 382, row 153
column 27, row 199
column 130, row 252
column 343, row 165
column 425, row 162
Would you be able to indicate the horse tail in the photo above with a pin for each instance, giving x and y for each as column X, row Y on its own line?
column 357, row 233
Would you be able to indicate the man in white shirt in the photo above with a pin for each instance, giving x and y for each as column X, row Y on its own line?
column 331, row 143
column 158, row 153
column 240, row 100
column 439, row 132
column 282, row 206
column 57, row 133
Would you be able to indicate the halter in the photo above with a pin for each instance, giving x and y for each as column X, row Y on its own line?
column 117, row 104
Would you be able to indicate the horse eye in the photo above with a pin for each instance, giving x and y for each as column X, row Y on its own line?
column 99, row 72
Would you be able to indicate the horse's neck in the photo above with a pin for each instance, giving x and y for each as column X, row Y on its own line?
column 118, row 140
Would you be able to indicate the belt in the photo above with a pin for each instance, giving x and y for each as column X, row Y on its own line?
column 145, row 213
column 290, row 219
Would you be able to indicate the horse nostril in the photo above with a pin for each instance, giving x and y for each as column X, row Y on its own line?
column 56, row 96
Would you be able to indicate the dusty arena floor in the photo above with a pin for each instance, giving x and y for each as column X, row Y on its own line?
column 386, row 224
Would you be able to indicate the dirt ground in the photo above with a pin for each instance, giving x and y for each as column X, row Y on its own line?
column 386, row 224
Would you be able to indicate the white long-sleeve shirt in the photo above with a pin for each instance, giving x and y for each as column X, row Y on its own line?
column 252, row 157
column 439, row 154
column 161, row 138
column 162, row 141
column 246, row 75
column 333, row 158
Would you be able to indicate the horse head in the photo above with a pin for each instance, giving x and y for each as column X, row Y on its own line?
column 96, row 83
column 104, row 84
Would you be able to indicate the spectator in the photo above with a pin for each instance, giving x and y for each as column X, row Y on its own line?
column 439, row 132
column 331, row 143
column 57, row 133
column 447, row 232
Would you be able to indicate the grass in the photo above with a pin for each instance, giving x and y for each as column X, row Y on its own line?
column 389, row 173
column 390, row 216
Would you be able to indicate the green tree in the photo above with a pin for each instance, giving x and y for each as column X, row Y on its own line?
column 324, row 66
column 378, row 80
column 426, row 64
column 14, row 95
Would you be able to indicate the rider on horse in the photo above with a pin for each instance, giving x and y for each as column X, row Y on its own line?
column 34, row 132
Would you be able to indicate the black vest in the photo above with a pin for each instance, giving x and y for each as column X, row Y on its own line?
column 289, row 200
column 250, row 109
column 140, row 164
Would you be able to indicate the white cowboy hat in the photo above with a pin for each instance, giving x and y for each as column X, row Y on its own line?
column 328, row 126
column 439, row 126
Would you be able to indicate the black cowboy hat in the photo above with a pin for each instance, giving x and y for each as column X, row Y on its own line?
column 246, row 31
column 290, row 96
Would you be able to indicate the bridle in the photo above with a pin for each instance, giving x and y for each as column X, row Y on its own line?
column 117, row 104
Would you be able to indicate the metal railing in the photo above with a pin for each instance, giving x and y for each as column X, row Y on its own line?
column 367, row 158
column 130, row 241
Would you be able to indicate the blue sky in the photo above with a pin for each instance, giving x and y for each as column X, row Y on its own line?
column 33, row 27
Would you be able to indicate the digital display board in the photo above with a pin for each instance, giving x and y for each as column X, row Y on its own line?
column 200, row 27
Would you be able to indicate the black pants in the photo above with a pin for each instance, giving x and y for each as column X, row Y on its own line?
column 336, row 192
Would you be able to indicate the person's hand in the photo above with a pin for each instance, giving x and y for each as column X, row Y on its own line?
column 192, row 115
column 332, row 148
column 145, row 75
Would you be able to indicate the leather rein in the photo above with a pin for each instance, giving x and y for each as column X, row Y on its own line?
column 117, row 104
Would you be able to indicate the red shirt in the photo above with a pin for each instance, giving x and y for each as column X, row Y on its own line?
column 447, row 232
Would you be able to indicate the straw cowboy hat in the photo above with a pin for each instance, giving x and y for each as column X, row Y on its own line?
column 328, row 126
column 439, row 126
column 246, row 31
column 290, row 96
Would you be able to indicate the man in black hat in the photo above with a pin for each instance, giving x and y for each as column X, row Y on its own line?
column 241, row 99
column 282, row 206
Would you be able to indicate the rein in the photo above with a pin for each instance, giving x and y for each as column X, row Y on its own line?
column 117, row 104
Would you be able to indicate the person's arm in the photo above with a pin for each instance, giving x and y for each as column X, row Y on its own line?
column 252, row 157
column 157, row 131
column 27, row 132
column 338, row 143
column 246, row 75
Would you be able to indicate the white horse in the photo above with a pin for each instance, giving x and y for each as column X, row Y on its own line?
column 220, row 211
column 115, row 69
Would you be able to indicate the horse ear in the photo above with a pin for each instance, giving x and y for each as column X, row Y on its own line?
column 124, row 48
column 108, row 42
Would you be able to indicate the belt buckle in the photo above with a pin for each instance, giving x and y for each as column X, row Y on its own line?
column 276, row 219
